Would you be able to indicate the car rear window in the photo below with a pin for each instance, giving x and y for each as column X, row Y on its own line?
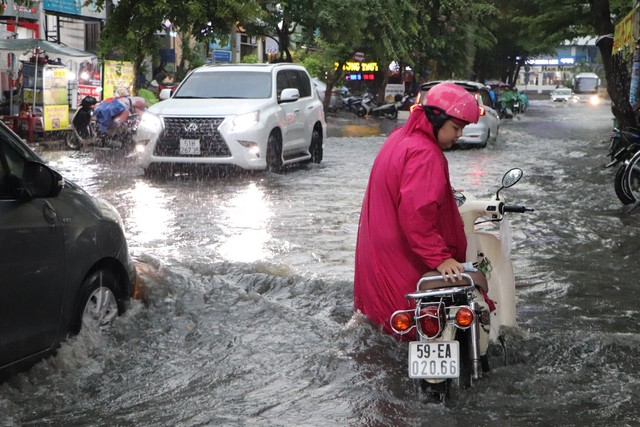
column 226, row 84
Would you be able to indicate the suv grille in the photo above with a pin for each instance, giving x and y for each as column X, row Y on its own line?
column 212, row 144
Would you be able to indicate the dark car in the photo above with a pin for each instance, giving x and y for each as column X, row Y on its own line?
column 64, row 259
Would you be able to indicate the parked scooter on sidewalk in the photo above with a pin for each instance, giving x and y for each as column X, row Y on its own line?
column 389, row 110
column 455, row 321
column 351, row 102
column 622, row 148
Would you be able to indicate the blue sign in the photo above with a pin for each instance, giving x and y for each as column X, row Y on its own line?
column 221, row 56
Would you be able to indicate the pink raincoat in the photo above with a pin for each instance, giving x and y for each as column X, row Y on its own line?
column 409, row 223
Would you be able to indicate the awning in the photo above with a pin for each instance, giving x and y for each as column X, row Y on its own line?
column 20, row 47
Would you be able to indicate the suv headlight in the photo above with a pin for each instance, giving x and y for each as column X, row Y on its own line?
column 150, row 127
column 245, row 121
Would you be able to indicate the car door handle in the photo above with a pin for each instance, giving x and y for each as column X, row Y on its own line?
column 49, row 213
column 297, row 110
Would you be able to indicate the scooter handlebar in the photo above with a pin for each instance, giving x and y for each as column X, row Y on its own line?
column 516, row 209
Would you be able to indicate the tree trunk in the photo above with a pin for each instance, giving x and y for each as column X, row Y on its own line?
column 616, row 68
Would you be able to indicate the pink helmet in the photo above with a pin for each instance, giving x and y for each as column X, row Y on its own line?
column 452, row 100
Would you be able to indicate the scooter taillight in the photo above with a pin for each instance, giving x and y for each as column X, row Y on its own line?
column 464, row 317
column 483, row 111
column 431, row 320
column 402, row 321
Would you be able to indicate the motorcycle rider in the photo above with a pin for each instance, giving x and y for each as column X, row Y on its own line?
column 82, row 118
column 409, row 223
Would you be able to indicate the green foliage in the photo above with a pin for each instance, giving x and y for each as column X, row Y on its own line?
column 438, row 38
column 250, row 59
column 314, row 65
column 149, row 96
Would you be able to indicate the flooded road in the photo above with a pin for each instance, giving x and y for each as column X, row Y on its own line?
column 249, row 295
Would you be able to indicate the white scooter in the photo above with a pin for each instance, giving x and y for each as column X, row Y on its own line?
column 455, row 321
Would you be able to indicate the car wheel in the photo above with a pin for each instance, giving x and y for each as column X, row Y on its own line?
column 274, row 154
column 484, row 144
column 98, row 301
column 315, row 149
column 72, row 140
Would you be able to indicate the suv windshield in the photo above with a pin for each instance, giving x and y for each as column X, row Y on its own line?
column 226, row 84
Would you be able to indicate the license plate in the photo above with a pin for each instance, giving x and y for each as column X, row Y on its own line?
column 434, row 359
column 189, row 146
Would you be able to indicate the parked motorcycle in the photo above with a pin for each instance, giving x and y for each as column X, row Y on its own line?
column 109, row 124
column 351, row 102
column 388, row 110
column 622, row 148
column 455, row 321
column 627, row 181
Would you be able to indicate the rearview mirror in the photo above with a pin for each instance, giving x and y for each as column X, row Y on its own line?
column 38, row 180
column 511, row 177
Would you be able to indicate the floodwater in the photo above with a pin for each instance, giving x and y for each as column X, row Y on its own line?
column 249, row 279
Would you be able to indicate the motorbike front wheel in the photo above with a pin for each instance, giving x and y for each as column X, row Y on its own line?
column 72, row 140
column 632, row 178
column 361, row 111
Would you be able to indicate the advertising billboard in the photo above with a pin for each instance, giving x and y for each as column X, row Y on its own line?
column 75, row 7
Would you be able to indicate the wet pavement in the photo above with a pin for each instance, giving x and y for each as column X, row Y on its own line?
column 248, row 315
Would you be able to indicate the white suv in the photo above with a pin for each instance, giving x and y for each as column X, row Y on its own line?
column 255, row 116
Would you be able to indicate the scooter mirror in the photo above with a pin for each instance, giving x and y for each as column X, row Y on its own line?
column 511, row 177
column 460, row 198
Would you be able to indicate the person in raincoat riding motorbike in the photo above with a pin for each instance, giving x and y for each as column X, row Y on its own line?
column 409, row 222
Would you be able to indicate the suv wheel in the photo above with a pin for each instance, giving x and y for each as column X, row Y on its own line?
column 274, row 154
column 315, row 149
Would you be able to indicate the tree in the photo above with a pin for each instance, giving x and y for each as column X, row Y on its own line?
column 616, row 67
column 130, row 32
column 539, row 26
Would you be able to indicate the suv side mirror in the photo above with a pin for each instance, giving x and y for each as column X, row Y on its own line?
column 165, row 94
column 289, row 95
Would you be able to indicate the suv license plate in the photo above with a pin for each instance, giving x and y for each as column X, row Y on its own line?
column 439, row 359
column 190, row 146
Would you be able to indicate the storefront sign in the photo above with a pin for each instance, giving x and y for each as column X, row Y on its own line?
column 75, row 7
column 359, row 67
column 13, row 9
column 56, row 117
column 221, row 56
column 117, row 74
column 626, row 32
column 88, row 90
column 391, row 90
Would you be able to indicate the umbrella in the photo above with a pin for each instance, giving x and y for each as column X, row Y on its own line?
column 55, row 50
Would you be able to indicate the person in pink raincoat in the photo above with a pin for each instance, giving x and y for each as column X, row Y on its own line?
column 409, row 222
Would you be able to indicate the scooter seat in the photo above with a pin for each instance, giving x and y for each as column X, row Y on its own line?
column 479, row 280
